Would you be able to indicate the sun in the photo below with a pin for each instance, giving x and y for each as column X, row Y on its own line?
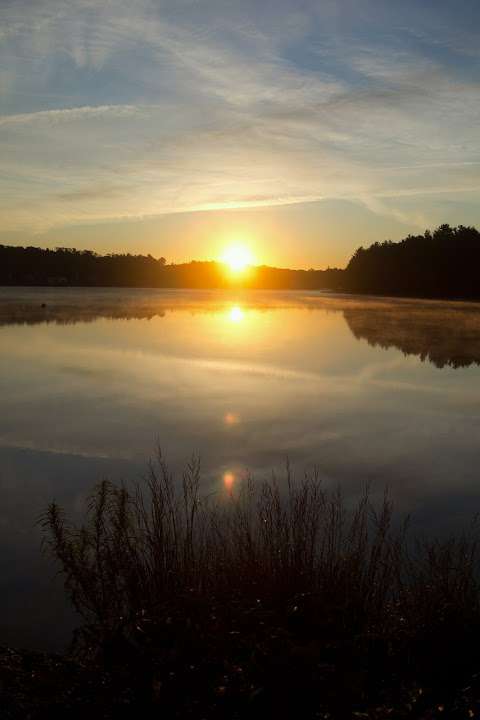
column 237, row 257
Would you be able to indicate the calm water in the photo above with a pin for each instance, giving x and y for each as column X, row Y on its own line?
column 363, row 388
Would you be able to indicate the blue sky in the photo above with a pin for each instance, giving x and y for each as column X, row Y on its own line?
column 307, row 128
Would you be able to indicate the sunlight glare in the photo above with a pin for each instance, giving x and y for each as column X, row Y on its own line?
column 236, row 314
column 237, row 257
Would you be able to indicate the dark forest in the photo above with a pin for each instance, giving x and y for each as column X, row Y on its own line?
column 439, row 264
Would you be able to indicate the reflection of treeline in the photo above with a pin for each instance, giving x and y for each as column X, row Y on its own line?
column 34, row 315
column 439, row 264
column 443, row 335
column 81, row 305
column 66, row 267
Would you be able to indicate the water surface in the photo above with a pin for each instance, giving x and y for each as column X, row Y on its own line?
column 365, row 389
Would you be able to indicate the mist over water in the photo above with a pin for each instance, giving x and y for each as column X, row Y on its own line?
column 366, row 389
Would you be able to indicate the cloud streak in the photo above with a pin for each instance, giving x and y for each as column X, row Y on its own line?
column 53, row 117
column 174, row 107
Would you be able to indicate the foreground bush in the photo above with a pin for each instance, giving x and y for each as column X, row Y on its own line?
column 273, row 597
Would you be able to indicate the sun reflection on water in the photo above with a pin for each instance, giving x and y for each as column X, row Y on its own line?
column 228, row 480
column 236, row 314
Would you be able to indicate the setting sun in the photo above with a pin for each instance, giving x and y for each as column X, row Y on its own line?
column 237, row 257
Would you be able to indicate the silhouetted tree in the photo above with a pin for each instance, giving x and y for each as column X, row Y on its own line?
column 440, row 264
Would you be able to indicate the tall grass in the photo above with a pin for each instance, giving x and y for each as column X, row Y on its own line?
column 267, row 555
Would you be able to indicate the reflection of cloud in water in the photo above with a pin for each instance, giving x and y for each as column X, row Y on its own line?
column 87, row 372
column 245, row 368
column 443, row 335
column 67, row 450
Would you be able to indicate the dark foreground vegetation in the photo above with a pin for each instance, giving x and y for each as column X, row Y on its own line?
column 442, row 264
column 276, row 599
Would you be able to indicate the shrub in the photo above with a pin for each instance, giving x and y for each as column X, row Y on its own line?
column 285, row 581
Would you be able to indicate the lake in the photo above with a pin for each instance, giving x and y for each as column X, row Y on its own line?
column 92, row 380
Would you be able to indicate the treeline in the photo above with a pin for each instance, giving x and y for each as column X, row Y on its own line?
column 439, row 264
column 69, row 267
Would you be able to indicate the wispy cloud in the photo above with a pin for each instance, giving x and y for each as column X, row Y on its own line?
column 176, row 106
column 53, row 117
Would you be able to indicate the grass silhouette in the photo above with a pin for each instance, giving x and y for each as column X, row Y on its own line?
column 273, row 597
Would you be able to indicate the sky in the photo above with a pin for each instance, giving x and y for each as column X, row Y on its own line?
column 302, row 129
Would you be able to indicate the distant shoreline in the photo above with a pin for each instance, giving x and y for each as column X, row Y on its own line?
column 440, row 265
column 475, row 299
